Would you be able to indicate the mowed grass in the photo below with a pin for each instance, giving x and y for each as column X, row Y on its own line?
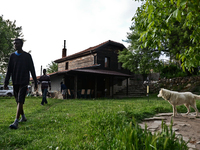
column 76, row 124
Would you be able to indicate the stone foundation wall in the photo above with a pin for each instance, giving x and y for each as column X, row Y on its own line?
column 181, row 84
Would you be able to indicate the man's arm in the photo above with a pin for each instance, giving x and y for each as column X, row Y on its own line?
column 32, row 70
column 8, row 74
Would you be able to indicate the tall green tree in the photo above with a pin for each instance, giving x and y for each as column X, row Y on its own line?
column 137, row 59
column 8, row 31
column 52, row 67
column 171, row 26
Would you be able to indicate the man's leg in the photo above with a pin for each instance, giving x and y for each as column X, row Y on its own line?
column 20, row 94
column 66, row 94
column 62, row 94
column 42, row 103
column 45, row 96
column 16, row 92
column 20, row 111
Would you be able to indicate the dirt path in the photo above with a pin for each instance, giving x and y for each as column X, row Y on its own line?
column 186, row 125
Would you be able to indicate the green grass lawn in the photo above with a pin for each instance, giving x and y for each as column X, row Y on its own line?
column 77, row 124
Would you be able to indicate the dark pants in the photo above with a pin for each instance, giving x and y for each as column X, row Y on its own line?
column 44, row 94
column 20, row 92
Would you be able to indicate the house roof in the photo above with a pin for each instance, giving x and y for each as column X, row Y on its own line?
column 89, row 51
column 91, row 70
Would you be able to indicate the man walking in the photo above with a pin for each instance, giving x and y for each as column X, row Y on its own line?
column 19, row 67
column 63, row 90
column 45, row 82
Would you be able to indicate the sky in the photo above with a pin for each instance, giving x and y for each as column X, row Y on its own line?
column 82, row 23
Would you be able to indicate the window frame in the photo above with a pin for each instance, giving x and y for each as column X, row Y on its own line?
column 107, row 62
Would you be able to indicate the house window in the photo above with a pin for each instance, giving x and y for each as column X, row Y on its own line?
column 107, row 62
column 95, row 59
column 66, row 66
column 120, row 66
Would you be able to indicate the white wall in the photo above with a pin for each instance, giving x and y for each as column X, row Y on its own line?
column 55, row 83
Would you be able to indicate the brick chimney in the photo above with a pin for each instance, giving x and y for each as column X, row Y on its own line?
column 64, row 50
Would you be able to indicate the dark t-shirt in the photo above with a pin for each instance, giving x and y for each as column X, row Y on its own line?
column 45, row 81
column 63, row 87
column 19, row 67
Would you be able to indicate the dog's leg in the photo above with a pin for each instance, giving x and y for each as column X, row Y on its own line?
column 176, row 113
column 188, row 108
column 174, row 110
column 195, row 108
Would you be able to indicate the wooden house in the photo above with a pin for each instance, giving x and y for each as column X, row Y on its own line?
column 94, row 72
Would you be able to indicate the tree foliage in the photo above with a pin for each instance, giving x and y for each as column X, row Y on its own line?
column 52, row 67
column 170, row 27
column 8, row 31
column 137, row 59
column 172, row 71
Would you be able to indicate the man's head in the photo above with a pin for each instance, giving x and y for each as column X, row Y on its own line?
column 18, row 44
column 61, row 82
column 44, row 71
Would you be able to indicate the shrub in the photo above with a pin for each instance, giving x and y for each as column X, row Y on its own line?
column 172, row 71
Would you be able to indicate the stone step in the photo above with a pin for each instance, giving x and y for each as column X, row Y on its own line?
column 133, row 91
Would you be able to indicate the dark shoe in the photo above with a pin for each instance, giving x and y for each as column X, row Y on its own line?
column 23, row 120
column 13, row 126
column 42, row 104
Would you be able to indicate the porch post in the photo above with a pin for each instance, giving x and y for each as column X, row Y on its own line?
column 127, row 86
column 95, row 87
column 112, row 86
column 75, row 86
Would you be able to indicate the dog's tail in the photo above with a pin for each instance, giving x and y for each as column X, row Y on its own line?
column 197, row 96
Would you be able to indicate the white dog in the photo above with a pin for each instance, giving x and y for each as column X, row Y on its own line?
column 179, row 98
